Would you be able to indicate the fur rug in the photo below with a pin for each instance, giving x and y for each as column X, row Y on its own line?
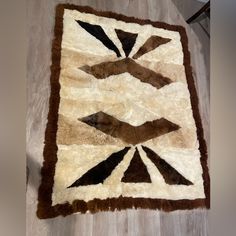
column 124, row 129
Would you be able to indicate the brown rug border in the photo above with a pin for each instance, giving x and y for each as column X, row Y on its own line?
column 45, row 209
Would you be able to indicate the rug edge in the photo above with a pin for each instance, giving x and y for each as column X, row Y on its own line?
column 44, row 209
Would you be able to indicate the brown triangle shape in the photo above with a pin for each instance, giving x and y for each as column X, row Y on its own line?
column 98, row 32
column 127, row 40
column 137, row 171
column 170, row 175
column 151, row 43
column 101, row 171
column 126, row 132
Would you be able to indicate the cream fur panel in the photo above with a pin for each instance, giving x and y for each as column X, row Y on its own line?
column 108, row 103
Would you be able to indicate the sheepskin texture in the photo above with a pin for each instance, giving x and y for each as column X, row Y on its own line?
column 129, row 101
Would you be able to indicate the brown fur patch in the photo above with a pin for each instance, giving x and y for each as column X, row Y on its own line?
column 127, row 40
column 126, row 132
column 170, row 175
column 151, row 43
column 137, row 171
column 105, row 69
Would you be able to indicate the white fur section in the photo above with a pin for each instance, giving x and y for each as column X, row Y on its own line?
column 125, row 111
column 185, row 161
column 71, row 60
column 71, row 160
column 75, row 160
column 175, row 72
column 171, row 101
column 110, row 32
column 169, row 53
column 78, row 39
column 117, row 174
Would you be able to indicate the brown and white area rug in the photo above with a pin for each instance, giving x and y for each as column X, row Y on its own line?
column 123, row 129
